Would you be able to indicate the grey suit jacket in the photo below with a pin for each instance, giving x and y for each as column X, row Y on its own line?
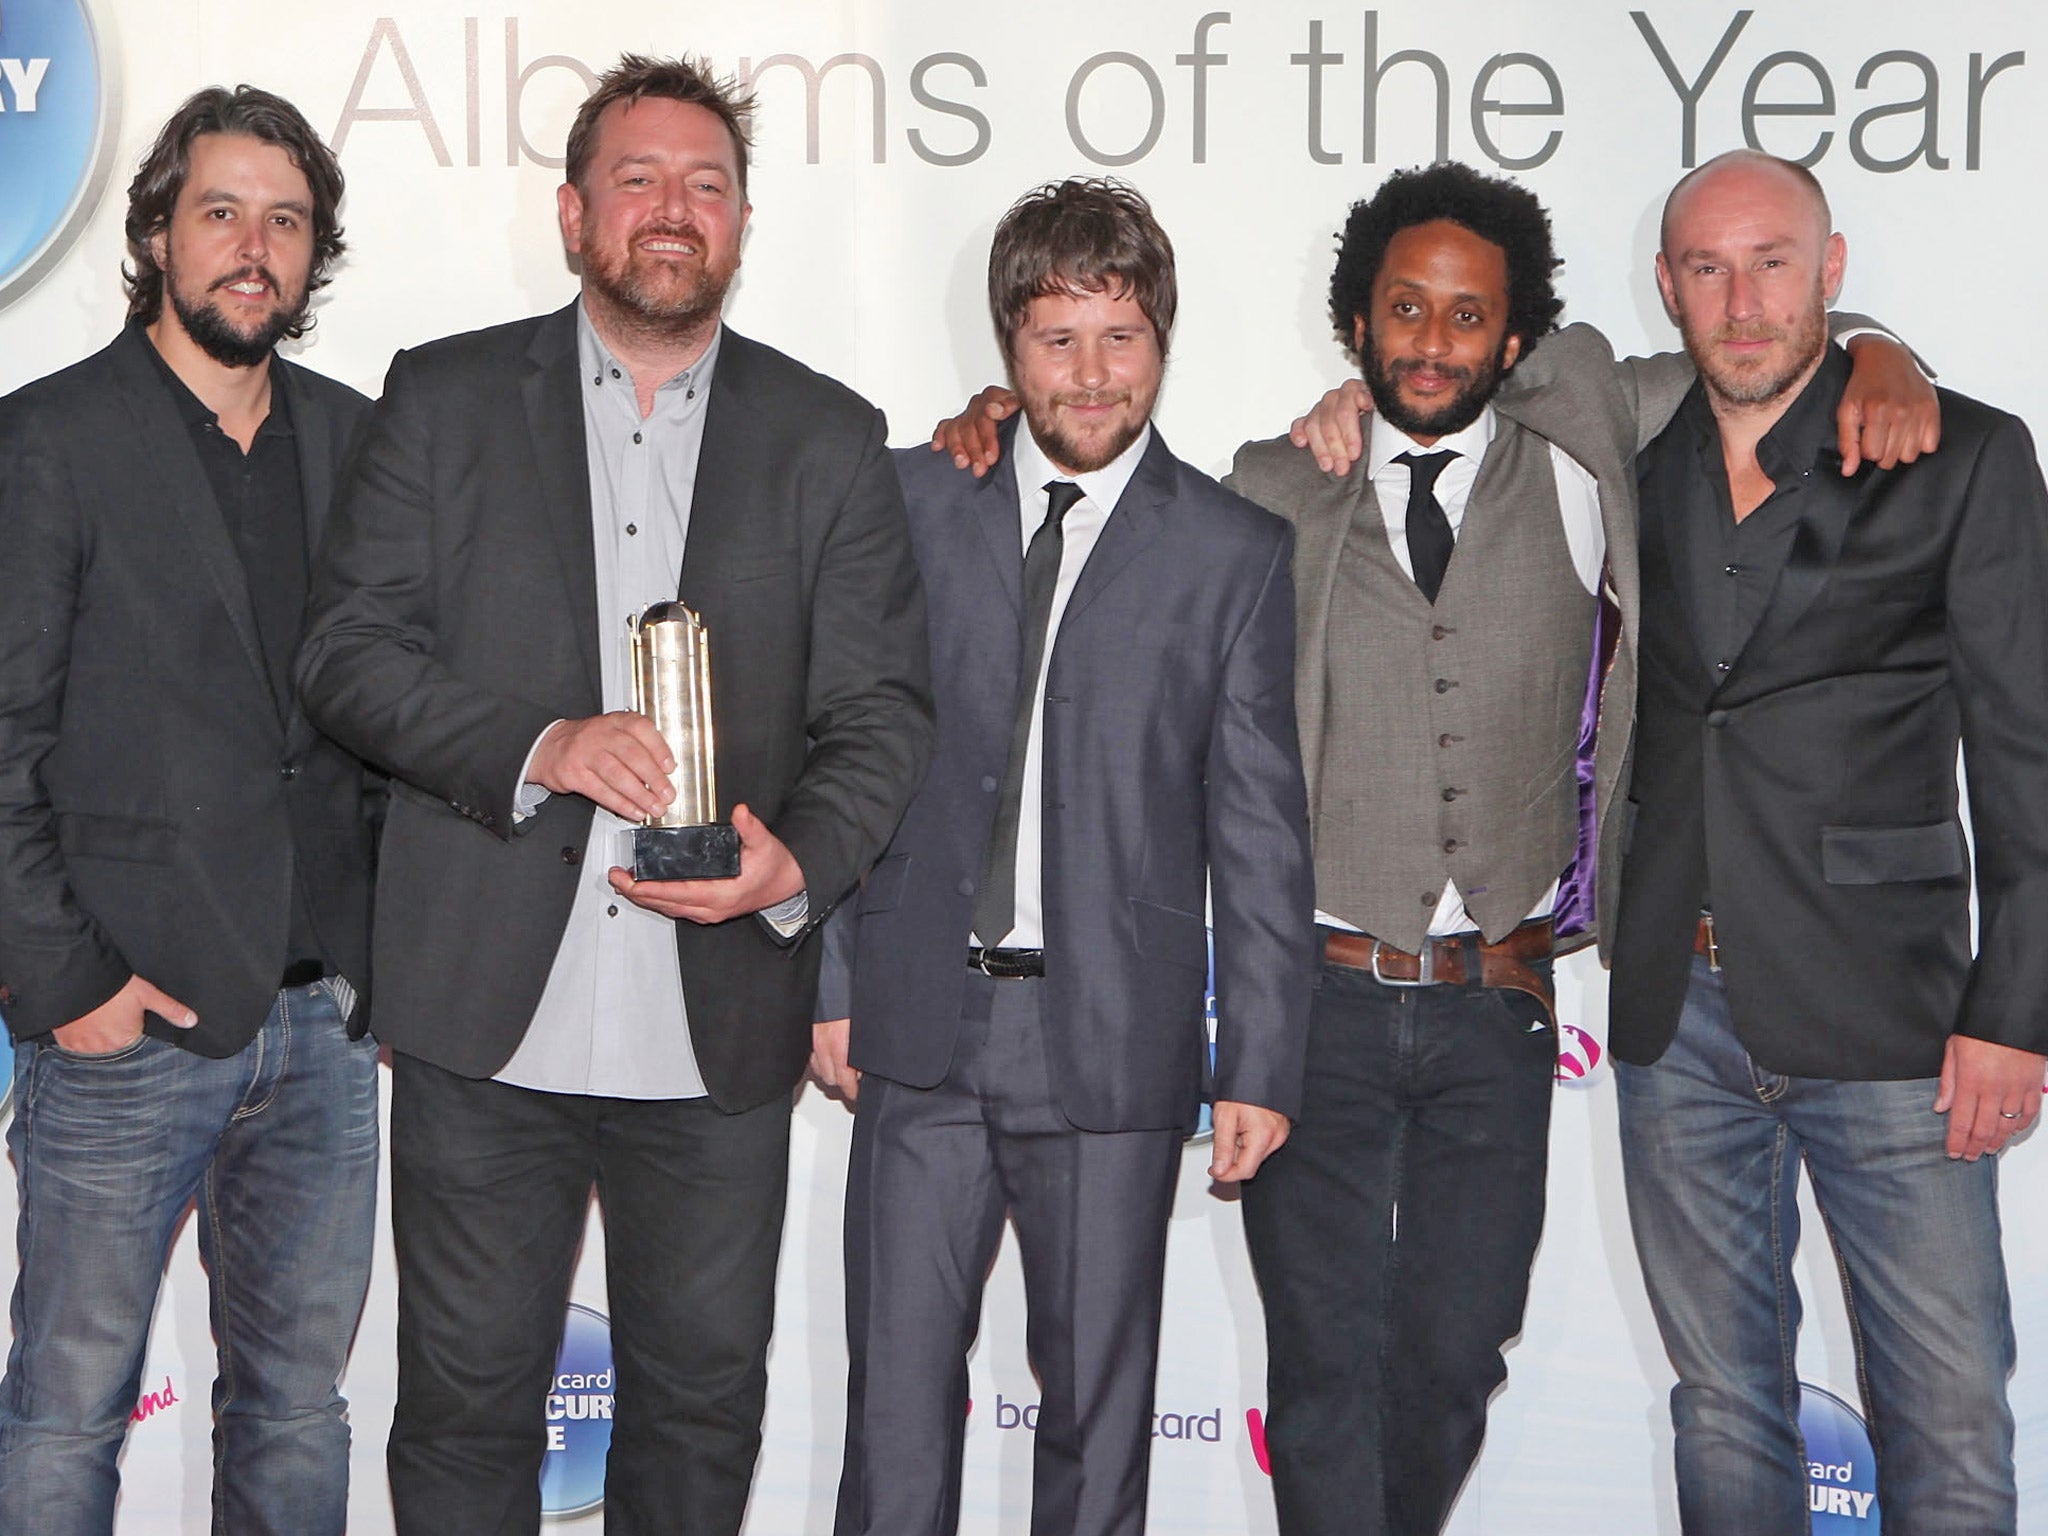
column 454, row 615
column 1170, row 762
column 148, row 779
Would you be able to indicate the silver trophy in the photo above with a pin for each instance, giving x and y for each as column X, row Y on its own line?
column 670, row 661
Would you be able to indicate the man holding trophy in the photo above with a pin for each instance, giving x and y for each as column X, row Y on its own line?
column 557, row 1023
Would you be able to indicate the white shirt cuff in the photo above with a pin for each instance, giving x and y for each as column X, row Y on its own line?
column 787, row 918
column 528, row 796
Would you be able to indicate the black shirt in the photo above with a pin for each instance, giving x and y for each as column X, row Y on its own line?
column 1730, row 567
column 264, row 505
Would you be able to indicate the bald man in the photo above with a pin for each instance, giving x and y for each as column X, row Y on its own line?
column 1793, row 977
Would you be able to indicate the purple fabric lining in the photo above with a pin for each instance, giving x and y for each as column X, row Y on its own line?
column 1573, row 913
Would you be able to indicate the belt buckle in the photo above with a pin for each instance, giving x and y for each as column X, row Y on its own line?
column 1425, row 963
column 981, row 955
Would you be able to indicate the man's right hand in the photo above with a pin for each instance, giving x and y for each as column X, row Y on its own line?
column 1334, row 431
column 618, row 760
column 829, row 1042
column 971, row 436
column 117, row 1023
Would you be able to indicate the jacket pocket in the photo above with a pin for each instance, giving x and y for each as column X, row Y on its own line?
column 1163, row 933
column 882, row 891
column 137, row 839
column 1880, row 855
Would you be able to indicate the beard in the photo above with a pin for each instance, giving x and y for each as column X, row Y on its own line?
column 1074, row 454
column 217, row 336
column 1476, row 386
column 1757, row 384
column 660, row 298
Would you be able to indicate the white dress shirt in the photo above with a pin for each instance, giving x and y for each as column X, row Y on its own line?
column 1578, row 504
column 1079, row 529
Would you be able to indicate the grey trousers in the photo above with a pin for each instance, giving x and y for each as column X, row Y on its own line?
column 934, row 1170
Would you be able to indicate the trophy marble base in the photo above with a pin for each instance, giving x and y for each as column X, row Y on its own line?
column 710, row 851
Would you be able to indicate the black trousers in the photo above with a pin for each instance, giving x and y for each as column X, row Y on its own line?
column 490, row 1188
column 933, row 1172
column 1392, row 1237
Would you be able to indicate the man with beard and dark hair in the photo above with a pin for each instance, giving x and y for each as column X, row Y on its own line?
column 1448, row 675
column 184, row 861
column 556, row 1025
column 1793, row 975
column 1017, row 1001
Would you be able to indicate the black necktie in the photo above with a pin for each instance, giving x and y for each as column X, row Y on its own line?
column 995, row 908
column 1429, row 531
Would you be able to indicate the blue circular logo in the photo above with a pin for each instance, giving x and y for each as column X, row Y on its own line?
column 579, row 1416
column 1841, row 1471
column 58, row 113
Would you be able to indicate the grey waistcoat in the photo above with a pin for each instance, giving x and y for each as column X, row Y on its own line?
column 1450, row 731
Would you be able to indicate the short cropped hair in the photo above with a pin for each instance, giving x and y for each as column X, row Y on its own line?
column 638, row 78
column 153, row 194
column 1082, row 235
column 1499, row 211
column 1804, row 177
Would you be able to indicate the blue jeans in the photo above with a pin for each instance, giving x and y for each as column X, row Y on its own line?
column 1711, row 1148
column 278, row 1143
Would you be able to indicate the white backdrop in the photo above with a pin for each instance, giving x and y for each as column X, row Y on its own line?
column 893, row 133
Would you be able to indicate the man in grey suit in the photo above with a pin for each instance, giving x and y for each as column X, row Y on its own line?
column 1448, row 674
column 1112, row 640
column 556, row 1025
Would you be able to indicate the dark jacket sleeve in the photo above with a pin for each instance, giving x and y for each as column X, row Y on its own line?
column 56, row 963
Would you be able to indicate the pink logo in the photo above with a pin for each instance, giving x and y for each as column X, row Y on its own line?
column 1255, row 1422
column 153, row 1403
column 1579, row 1055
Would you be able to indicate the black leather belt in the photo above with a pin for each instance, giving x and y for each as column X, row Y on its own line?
column 301, row 973
column 1006, row 964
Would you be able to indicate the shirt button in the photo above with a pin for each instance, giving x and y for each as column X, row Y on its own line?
column 988, row 783
column 570, row 855
column 1443, row 685
column 1452, row 794
column 615, row 373
column 287, row 771
column 612, row 910
column 1731, row 570
column 1450, row 845
column 636, row 437
column 1717, row 718
column 1428, row 900
column 1443, row 741
column 1437, row 631
column 631, row 529
column 1721, row 666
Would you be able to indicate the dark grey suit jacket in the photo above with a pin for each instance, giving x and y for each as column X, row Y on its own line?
column 454, row 615
column 1812, row 787
column 147, row 778
column 1169, row 760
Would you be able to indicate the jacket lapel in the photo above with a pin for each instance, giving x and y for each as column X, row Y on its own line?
column 1134, row 522
column 1827, row 503
column 996, row 513
column 553, row 403
column 168, row 446
column 313, row 437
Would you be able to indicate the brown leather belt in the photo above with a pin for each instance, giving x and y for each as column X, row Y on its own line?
column 1705, row 943
column 1448, row 961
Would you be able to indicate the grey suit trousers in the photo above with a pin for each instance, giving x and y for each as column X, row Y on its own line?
column 932, row 1174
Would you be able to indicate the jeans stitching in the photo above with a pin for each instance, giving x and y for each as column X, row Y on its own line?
column 1781, row 1280
column 1855, row 1322
column 262, row 1044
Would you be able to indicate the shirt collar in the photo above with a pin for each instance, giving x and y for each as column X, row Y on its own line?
column 1387, row 441
column 1104, row 486
column 1807, row 429
column 601, row 370
column 195, row 412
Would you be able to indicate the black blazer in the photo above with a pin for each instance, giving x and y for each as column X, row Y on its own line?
column 1169, row 761
column 454, row 615
column 147, row 779
column 1813, row 788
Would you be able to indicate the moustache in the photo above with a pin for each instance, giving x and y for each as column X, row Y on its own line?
column 1401, row 367
column 1754, row 331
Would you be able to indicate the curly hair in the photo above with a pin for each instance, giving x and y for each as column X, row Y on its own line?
column 153, row 194
column 1497, row 210
column 1082, row 235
